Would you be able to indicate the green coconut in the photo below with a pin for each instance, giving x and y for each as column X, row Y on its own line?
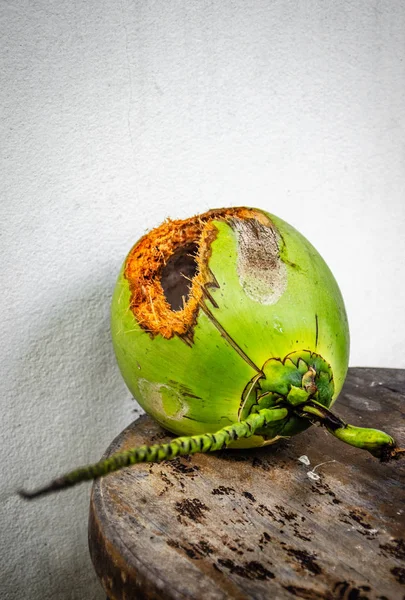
column 230, row 331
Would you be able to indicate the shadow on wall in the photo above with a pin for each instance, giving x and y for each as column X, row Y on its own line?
column 74, row 402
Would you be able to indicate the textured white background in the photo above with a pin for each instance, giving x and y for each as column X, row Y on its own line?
column 115, row 115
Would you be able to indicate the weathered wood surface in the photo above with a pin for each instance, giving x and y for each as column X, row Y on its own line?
column 252, row 524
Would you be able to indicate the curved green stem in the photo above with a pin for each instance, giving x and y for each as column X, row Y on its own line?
column 378, row 443
column 206, row 442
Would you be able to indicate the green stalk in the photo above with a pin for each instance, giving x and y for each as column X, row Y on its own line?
column 207, row 442
column 378, row 443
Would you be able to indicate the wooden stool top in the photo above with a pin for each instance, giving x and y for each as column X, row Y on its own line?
column 252, row 524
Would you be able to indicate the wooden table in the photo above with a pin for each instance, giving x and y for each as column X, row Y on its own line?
column 252, row 524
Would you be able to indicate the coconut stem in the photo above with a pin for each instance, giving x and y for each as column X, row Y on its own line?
column 206, row 442
column 379, row 444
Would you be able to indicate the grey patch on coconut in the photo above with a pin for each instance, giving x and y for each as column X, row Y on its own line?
column 262, row 273
column 163, row 400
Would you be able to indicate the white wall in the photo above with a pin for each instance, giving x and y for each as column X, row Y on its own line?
column 116, row 115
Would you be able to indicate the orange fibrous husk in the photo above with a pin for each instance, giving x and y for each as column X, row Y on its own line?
column 144, row 264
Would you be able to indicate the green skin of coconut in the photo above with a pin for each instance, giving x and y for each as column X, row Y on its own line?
column 259, row 367
column 199, row 388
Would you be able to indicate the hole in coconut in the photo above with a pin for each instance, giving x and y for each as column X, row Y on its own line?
column 180, row 268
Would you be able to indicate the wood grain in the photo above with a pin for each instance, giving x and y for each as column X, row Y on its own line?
column 251, row 524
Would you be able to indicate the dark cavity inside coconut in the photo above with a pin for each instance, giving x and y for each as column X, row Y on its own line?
column 177, row 275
